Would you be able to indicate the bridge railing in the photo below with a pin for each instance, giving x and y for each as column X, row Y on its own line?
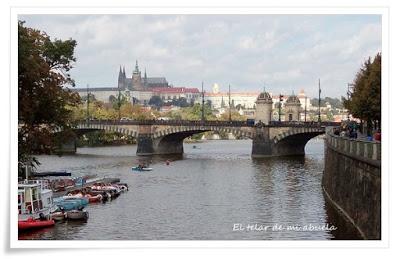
column 210, row 123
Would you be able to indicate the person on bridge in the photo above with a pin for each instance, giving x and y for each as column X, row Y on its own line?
column 377, row 135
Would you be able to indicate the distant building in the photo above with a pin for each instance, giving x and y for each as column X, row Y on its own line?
column 174, row 93
column 139, row 83
column 140, row 89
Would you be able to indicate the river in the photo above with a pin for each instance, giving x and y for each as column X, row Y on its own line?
column 215, row 191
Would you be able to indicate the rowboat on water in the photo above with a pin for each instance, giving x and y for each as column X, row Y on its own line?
column 77, row 215
column 138, row 168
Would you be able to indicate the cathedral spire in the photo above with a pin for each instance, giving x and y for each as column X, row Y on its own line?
column 123, row 72
column 137, row 67
column 145, row 74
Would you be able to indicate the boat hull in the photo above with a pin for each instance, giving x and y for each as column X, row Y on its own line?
column 77, row 215
column 34, row 224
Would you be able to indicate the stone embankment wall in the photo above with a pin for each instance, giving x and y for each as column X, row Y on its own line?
column 352, row 182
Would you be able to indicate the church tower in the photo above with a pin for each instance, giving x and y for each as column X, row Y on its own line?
column 136, row 79
column 121, row 79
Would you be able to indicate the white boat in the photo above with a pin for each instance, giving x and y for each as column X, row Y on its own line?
column 77, row 215
column 58, row 216
column 137, row 168
column 35, row 199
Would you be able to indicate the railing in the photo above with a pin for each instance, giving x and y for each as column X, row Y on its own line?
column 360, row 149
column 210, row 123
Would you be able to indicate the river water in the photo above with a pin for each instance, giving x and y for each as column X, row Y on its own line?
column 215, row 191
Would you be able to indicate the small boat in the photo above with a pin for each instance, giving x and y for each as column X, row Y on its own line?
column 31, row 223
column 77, row 215
column 137, row 168
column 82, row 200
column 70, row 203
column 35, row 199
column 58, row 216
column 94, row 198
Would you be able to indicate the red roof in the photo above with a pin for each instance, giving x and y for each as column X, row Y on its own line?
column 174, row 90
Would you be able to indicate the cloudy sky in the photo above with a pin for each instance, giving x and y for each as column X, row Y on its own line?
column 285, row 53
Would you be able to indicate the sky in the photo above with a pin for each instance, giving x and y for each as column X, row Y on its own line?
column 283, row 53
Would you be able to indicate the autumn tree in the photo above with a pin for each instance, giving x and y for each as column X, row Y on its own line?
column 44, row 102
column 365, row 100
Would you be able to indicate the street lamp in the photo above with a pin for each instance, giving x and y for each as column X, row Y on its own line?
column 350, row 88
column 305, row 108
column 202, row 103
column 87, row 104
column 229, row 97
column 319, row 100
column 280, row 100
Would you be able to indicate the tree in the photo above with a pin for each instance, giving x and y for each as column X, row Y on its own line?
column 365, row 100
column 181, row 102
column 44, row 103
column 156, row 101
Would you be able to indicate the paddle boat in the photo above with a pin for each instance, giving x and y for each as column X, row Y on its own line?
column 139, row 168
column 68, row 203
column 58, row 215
column 77, row 215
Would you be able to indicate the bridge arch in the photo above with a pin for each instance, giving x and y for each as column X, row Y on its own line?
column 170, row 140
column 293, row 141
column 129, row 131
column 191, row 130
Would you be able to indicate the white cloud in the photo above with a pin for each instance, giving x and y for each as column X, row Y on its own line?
column 285, row 52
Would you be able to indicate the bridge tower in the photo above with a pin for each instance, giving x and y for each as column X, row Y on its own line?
column 264, row 108
column 292, row 108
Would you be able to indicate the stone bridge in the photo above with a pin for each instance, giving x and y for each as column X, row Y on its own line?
column 166, row 137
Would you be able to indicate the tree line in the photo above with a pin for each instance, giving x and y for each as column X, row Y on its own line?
column 364, row 101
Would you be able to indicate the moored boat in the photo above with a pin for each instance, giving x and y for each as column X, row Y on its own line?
column 77, row 215
column 58, row 216
column 32, row 223
column 94, row 198
column 35, row 199
column 138, row 168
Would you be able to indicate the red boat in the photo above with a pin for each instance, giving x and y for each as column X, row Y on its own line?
column 34, row 223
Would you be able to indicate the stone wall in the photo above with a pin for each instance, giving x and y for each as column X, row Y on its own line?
column 352, row 182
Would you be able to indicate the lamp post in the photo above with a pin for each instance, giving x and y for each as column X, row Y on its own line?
column 87, row 104
column 319, row 100
column 279, row 113
column 349, row 91
column 202, row 103
column 229, row 99
column 305, row 108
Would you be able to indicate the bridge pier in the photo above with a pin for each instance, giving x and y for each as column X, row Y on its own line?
column 145, row 145
column 267, row 144
column 66, row 144
column 171, row 144
column 262, row 146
